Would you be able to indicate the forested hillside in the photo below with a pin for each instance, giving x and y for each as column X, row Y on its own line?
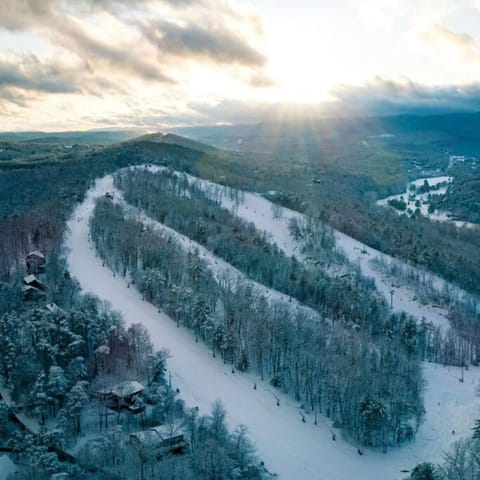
column 296, row 354
column 58, row 348
column 354, row 335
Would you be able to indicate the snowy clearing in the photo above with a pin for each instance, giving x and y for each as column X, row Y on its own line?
column 423, row 199
column 293, row 449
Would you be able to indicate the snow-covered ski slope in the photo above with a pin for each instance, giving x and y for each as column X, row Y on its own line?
column 221, row 269
column 293, row 449
column 258, row 210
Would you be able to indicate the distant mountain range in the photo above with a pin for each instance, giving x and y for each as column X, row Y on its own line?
column 88, row 137
column 456, row 132
column 459, row 131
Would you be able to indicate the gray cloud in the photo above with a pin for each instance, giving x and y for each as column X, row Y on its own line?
column 29, row 73
column 95, row 50
column 19, row 14
column 214, row 41
column 25, row 78
column 387, row 97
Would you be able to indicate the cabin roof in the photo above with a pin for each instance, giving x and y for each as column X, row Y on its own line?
column 36, row 253
column 29, row 279
column 53, row 308
column 157, row 434
column 124, row 389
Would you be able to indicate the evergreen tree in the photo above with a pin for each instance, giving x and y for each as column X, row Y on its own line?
column 424, row 471
column 476, row 429
column 38, row 399
column 57, row 385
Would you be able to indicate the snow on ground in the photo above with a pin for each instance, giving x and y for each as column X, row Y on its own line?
column 220, row 268
column 293, row 449
column 422, row 197
column 438, row 216
column 258, row 210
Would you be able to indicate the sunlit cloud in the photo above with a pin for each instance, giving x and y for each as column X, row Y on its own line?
column 463, row 44
column 169, row 62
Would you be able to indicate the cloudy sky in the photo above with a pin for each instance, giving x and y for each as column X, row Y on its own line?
column 77, row 64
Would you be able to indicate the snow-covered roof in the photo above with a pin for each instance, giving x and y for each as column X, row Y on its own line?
column 29, row 279
column 124, row 389
column 34, row 282
column 157, row 434
column 53, row 308
column 36, row 253
column 7, row 467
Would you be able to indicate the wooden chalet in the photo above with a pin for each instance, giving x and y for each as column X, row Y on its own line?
column 159, row 441
column 35, row 262
column 125, row 395
column 33, row 288
column 32, row 281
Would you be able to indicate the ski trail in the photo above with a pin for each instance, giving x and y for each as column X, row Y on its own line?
column 293, row 449
column 254, row 208
column 220, row 268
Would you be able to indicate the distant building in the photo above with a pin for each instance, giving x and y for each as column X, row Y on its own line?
column 159, row 441
column 32, row 281
column 31, row 294
column 124, row 395
column 54, row 308
column 35, row 262
column 33, row 288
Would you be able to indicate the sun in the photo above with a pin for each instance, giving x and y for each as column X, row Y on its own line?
column 304, row 70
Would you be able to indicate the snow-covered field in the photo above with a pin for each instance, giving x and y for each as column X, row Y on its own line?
column 438, row 216
column 293, row 449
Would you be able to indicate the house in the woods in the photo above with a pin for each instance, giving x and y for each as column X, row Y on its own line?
column 35, row 262
column 159, row 441
column 32, row 281
column 31, row 294
column 125, row 395
column 33, row 288
column 7, row 468
column 54, row 308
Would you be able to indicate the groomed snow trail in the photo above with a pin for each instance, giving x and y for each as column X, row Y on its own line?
column 258, row 210
column 293, row 449
column 220, row 268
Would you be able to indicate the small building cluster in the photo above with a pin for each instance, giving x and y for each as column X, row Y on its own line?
column 34, row 289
